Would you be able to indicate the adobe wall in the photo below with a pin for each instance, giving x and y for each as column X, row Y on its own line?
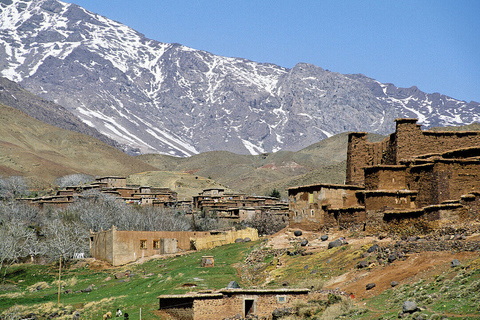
column 212, row 241
column 443, row 180
column 121, row 247
column 345, row 217
column 412, row 141
column 101, row 246
column 408, row 141
column 308, row 204
column 381, row 200
column 361, row 153
column 385, row 178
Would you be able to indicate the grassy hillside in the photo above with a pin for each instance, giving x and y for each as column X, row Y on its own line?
column 424, row 277
column 35, row 149
column 185, row 184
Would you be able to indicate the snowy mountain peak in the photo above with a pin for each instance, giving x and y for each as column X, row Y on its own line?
column 175, row 100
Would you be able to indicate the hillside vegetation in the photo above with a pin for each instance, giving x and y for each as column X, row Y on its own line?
column 426, row 278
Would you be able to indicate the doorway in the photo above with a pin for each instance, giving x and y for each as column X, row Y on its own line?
column 248, row 307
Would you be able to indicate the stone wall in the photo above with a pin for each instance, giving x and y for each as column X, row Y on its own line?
column 263, row 304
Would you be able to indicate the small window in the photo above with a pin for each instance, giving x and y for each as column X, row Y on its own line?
column 156, row 244
column 312, row 212
column 143, row 244
column 281, row 299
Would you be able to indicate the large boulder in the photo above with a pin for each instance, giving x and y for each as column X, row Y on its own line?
column 324, row 238
column 455, row 263
column 297, row 233
column 409, row 307
column 372, row 248
column 335, row 243
column 370, row 286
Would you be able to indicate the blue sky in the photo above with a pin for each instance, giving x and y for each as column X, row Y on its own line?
column 434, row 45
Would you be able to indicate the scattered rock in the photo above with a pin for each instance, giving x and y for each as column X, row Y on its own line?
column 372, row 248
column 76, row 315
column 409, row 307
column 455, row 263
column 370, row 286
column 362, row 264
column 324, row 238
column 68, row 291
column 281, row 313
column 393, row 284
column 233, row 285
column 334, row 244
column 297, row 233
column 285, row 284
column 88, row 289
column 392, row 257
column 108, row 278
column 247, row 239
column 238, row 240
column 412, row 239
column 120, row 275
column 313, row 272
column 304, row 243
column 305, row 267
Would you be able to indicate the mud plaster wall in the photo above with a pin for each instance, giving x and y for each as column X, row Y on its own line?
column 212, row 241
column 120, row 247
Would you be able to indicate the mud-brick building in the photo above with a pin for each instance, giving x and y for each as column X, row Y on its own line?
column 407, row 142
column 237, row 206
column 412, row 174
column 121, row 247
column 229, row 303
column 316, row 206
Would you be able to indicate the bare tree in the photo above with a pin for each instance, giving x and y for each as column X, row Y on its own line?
column 73, row 180
column 64, row 239
column 266, row 223
column 13, row 187
column 163, row 219
column 16, row 241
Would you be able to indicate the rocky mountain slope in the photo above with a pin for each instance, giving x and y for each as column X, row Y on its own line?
column 171, row 99
column 13, row 95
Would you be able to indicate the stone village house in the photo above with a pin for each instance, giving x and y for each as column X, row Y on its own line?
column 229, row 303
column 432, row 176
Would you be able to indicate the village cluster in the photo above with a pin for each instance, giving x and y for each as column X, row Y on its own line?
column 412, row 177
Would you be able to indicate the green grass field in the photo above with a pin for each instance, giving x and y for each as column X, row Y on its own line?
column 152, row 278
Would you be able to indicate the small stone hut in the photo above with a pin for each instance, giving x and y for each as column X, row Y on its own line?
column 229, row 303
